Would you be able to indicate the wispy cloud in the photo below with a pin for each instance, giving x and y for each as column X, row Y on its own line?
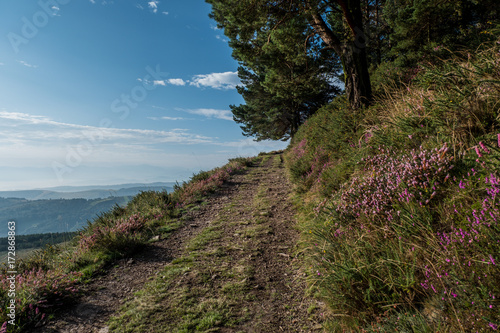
column 175, row 82
column 210, row 113
column 55, row 11
column 26, row 64
column 226, row 80
column 103, row 2
column 153, row 5
column 166, row 118
column 221, row 81
column 22, row 127
column 223, row 39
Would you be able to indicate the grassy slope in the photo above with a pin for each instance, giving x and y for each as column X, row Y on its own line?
column 399, row 202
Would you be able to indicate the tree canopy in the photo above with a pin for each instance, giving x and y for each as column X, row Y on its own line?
column 290, row 52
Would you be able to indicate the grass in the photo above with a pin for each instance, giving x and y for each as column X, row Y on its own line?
column 398, row 202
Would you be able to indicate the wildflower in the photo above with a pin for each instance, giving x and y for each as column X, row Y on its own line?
column 483, row 147
column 478, row 152
column 493, row 326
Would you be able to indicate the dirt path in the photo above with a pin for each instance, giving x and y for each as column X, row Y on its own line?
column 230, row 268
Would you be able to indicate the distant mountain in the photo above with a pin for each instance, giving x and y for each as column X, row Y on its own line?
column 107, row 187
column 87, row 192
column 55, row 215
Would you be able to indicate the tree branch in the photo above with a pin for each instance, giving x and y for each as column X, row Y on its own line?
column 322, row 29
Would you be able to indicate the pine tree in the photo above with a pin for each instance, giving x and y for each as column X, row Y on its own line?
column 286, row 77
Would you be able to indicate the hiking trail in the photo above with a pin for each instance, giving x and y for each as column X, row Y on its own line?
column 231, row 267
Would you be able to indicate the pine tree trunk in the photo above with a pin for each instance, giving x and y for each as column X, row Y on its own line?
column 357, row 79
column 352, row 53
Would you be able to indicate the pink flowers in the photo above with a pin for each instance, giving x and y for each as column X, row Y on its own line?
column 41, row 289
column 102, row 235
column 478, row 152
column 300, row 149
column 389, row 178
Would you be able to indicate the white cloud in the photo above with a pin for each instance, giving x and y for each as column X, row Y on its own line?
column 210, row 113
column 219, row 37
column 26, row 64
column 166, row 118
column 25, row 128
column 153, row 5
column 177, row 82
column 226, row 80
column 103, row 2
column 55, row 10
column 221, row 81
column 165, row 13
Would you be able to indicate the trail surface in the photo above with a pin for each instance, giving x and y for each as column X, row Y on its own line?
column 230, row 268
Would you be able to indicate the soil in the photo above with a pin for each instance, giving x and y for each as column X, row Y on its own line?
column 273, row 260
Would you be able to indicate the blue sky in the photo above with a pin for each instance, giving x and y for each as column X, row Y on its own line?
column 106, row 92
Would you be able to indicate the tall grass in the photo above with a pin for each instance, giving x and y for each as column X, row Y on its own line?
column 403, row 230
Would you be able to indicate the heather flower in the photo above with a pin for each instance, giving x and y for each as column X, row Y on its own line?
column 484, row 148
column 478, row 152
column 390, row 179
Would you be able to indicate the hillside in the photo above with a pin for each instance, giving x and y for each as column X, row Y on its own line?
column 87, row 192
column 58, row 215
